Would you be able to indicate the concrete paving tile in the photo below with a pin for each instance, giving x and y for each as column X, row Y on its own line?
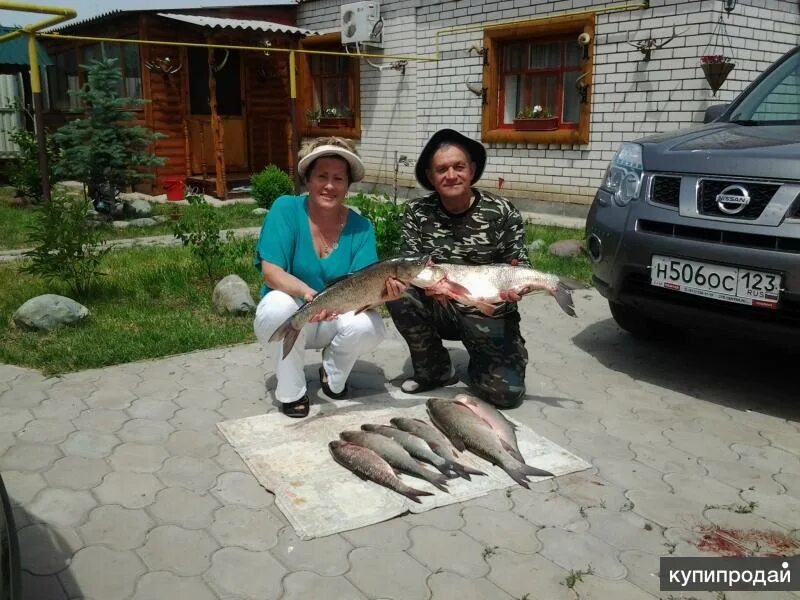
column 667, row 417
column 184, row 508
column 790, row 482
column 7, row 440
column 197, row 474
column 197, row 419
column 446, row 517
column 553, row 510
column 574, row 418
column 139, row 458
column 527, row 575
column 145, row 431
column 209, row 399
column 229, row 460
column 589, row 445
column 588, row 490
column 20, row 397
column 667, row 459
column 632, row 429
column 449, row 551
column 201, row 378
column 625, row 530
column 388, row 573
column 784, row 439
column 23, row 487
column 70, row 388
column 303, row 585
column 59, row 409
column 194, row 443
column 768, row 459
column 391, row 534
column 324, row 556
column 76, row 472
column 761, row 421
column 628, row 474
column 781, row 509
column 100, row 419
column 504, row 529
column 701, row 445
column 592, row 587
column 730, row 519
column 147, row 407
column 667, row 510
column 89, row 444
column 240, row 407
column 13, row 420
column 131, row 490
column 117, row 527
column 576, row 551
column 251, row 529
column 236, row 572
column 46, row 550
column 553, row 432
column 180, row 551
column 497, row 500
column 686, row 542
column 125, row 376
column 708, row 491
column 116, row 397
column 162, row 585
column 102, row 573
column 643, row 569
column 45, row 431
column 732, row 431
column 42, row 587
column 157, row 388
column 741, row 476
column 242, row 489
column 451, row 586
column 60, row 507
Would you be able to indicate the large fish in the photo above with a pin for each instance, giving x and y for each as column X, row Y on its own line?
column 437, row 441
column 467, row 430
column 415, row 446
column 394, row 454
column 368, row 465
column 480, row 285
column 357, row 292
column 504, row 428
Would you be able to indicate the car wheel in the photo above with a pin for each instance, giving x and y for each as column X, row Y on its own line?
column 635, row 323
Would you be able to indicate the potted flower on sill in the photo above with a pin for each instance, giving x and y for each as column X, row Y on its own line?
column 716, row 68
column 312, row 116
column 333, row 117
column 535, row 119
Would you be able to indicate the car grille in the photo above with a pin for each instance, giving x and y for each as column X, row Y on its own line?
column 718, row 236
column 638, row 285
column 760, row 195
column 666, row 190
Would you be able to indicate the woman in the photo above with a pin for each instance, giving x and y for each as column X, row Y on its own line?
column 305, row 243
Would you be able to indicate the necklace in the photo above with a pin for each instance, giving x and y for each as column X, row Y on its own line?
column 327, row 248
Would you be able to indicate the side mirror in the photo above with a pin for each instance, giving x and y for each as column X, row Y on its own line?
column 714, row 112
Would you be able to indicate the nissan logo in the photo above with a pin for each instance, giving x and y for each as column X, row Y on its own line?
column 733, row 199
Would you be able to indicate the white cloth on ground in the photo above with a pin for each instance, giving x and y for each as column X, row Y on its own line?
column 342, row 341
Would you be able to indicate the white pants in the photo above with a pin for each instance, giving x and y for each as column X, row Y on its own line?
column 342, row 340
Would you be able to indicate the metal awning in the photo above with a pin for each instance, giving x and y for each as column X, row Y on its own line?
column 222, row 23
column 15, row 51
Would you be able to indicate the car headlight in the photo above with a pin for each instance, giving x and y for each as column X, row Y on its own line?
column 623, row 178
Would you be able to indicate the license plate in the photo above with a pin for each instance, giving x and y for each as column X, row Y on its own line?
column 731, row 284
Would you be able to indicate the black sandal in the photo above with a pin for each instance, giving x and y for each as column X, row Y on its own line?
column 297, row 409
column 323, row 382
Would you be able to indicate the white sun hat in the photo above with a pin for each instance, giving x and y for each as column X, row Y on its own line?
column 356, row 166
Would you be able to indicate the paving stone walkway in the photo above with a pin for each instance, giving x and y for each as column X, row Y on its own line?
column 124, row 489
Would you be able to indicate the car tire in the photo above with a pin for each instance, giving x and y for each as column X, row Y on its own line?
column 634, row 322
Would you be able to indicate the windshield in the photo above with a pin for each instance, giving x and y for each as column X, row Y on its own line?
column 775, row 100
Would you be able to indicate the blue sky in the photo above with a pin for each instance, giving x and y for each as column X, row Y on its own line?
column 89, row 8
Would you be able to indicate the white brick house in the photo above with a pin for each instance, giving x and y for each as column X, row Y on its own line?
column 628, row 96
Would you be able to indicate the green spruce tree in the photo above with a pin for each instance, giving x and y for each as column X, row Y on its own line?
column 105, row 149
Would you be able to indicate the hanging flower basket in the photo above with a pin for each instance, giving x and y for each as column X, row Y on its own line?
column 716, row 69
column 539, row 124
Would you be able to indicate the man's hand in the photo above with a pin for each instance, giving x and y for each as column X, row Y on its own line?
column 510, row 296
column 394, row 289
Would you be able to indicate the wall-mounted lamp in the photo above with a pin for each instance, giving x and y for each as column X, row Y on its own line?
column 647, row 46
column 164, row 66
column 584, row 40
column 728, row 5
column 476, row 87
column 583, row 89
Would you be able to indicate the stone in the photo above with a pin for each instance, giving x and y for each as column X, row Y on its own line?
column 48, row 312
column 120, row 224
column 259, row 211
column 232, row 295
column 137, row 208
column 536, row 245
column 144, row 222
column 565, row 248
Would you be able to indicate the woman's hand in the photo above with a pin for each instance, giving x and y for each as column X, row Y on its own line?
column 323, row 315
column 394, row 289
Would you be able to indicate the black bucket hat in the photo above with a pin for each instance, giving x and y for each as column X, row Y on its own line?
column 474, row 148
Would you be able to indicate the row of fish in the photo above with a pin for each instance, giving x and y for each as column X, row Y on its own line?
column 480, row 286
column 379, row 452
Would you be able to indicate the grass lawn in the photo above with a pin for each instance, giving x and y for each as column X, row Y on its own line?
column 15, row 222
column 578, row 267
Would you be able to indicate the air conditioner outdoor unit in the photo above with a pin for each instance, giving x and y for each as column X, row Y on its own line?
column 361, row 23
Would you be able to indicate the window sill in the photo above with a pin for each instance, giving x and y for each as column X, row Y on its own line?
column 557, row 136
column 345, row 132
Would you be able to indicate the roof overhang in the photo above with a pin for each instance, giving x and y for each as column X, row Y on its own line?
column 238, row 24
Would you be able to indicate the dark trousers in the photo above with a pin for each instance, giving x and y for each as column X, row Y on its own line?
column 497, row 354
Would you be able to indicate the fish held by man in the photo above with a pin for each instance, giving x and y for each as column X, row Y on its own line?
column 481, row 286
column 468, row 431
column 394, row 454
column 505, row 429
column 357, row 292
column 437, row 441
column 415, row 446
column 368, row 465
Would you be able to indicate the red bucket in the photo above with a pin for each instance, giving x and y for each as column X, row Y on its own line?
column 174, row 186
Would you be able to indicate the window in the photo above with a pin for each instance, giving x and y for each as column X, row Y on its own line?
column 63, row 78
column 328, row 99
column 539, row 64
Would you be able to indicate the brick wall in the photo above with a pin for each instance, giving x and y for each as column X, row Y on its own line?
column 630, row 97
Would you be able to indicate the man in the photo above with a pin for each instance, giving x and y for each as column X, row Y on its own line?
column 457, row 223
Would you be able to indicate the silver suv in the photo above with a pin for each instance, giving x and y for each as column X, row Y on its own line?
column 701, row 227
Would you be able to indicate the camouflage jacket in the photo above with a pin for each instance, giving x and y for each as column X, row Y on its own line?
column 491, row 231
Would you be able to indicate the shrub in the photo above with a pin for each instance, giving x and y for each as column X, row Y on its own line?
column 198, row 228
column 24, row 172
column 269, row 184
column 66, row 248
column 387, row 218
